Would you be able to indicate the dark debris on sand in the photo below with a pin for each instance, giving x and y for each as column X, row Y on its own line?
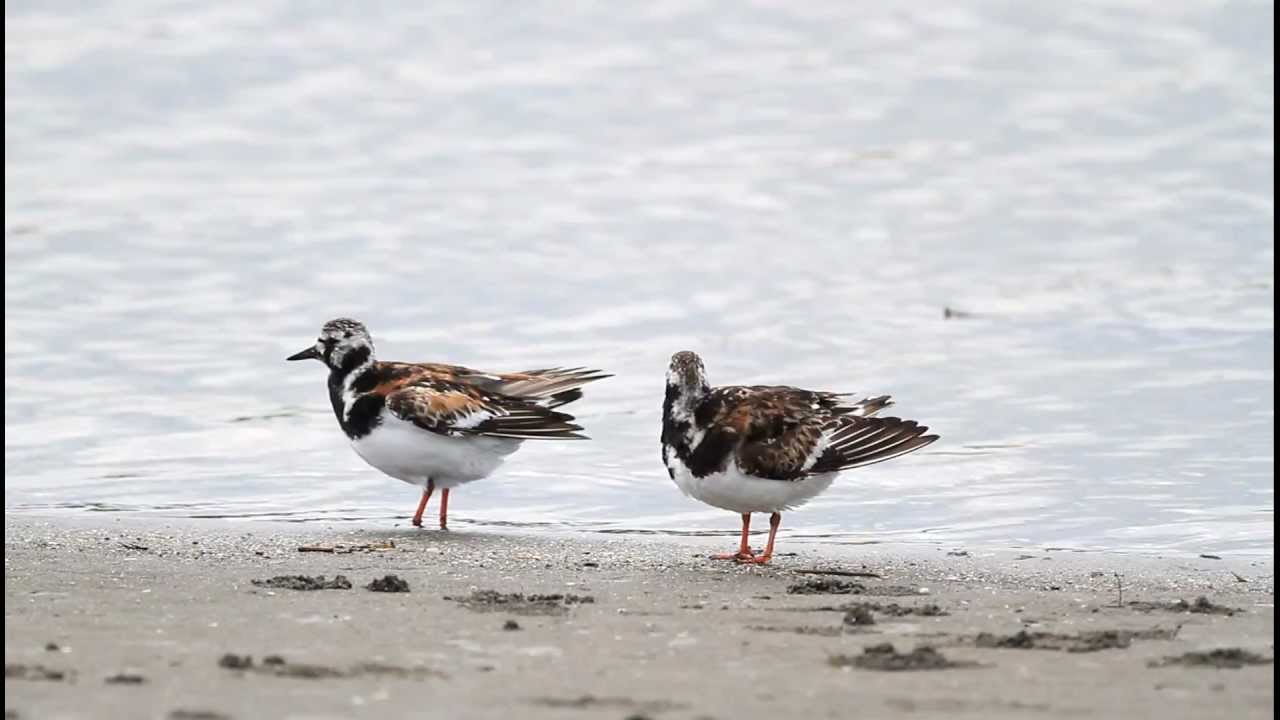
column 884, row 657
column 19, row 671
column 833, row 586
column 859, row 615
column 826, row 586
column 891, row 609
column 896, row 610
column 1090, row 641
column 125, row 679
column 821, row 631
column 1201, row 606
column 390, row 584
column 1220, row 658
column 519, row 603
column 231, row 661
column 181, row 714
column 305, row 582
column 585, row 702
column 277, row 666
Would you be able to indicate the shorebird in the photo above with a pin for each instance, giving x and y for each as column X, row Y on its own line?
column 439, row 426
column 766, row 449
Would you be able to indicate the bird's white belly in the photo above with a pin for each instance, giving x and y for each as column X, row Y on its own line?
column 734, row 490
column 407, row 452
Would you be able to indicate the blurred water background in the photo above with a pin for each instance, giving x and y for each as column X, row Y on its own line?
column 795, row 190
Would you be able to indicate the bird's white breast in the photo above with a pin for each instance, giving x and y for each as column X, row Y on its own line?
column 732, row 489
column 407, row 452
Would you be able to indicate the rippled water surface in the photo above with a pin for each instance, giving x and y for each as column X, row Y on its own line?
column 796, row 190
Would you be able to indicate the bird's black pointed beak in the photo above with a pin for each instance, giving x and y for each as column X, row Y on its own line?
column 309, row 354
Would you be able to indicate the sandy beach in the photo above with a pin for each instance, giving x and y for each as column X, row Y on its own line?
column 129, row 618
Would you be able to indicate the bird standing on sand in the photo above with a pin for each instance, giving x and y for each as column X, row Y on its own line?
column 439, row 426
column 758, row 449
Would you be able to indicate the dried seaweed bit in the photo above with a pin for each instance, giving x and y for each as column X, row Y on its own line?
column 826, row 586
column 1090, row 641
column 859, row 615
column 231, row 661
column 304, row 671
column 18, row 671
column 125, row 679
column 800, row 630
column 569, row 599
column 896, row 610
column 893, row 591
column 1200, row 606
column 1221, row 658
column 390, row 584
column 382, row 669
column 584, row 702
column 519, row 603
column 885, row 658
column 305, row 582
column 276, row 666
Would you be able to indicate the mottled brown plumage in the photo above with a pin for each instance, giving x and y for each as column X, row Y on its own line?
column 775, row 431
column 454, row 400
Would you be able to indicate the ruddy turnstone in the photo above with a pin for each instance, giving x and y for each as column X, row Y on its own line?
column 758, row 449
column 439, row 426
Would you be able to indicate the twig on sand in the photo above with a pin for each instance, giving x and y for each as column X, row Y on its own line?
column 841, row 573
column 1119, row 590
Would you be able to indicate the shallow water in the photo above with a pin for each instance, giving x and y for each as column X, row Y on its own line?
column 797, row 191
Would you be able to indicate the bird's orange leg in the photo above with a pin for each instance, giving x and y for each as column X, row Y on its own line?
column 774, row 521
column 422, row 504
column 444, row 509
column 744, row 549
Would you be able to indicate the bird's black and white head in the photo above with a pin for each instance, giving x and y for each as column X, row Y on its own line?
column 686, row 382
column 344, row 344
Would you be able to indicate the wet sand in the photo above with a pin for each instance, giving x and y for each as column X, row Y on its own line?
column 149, row 619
